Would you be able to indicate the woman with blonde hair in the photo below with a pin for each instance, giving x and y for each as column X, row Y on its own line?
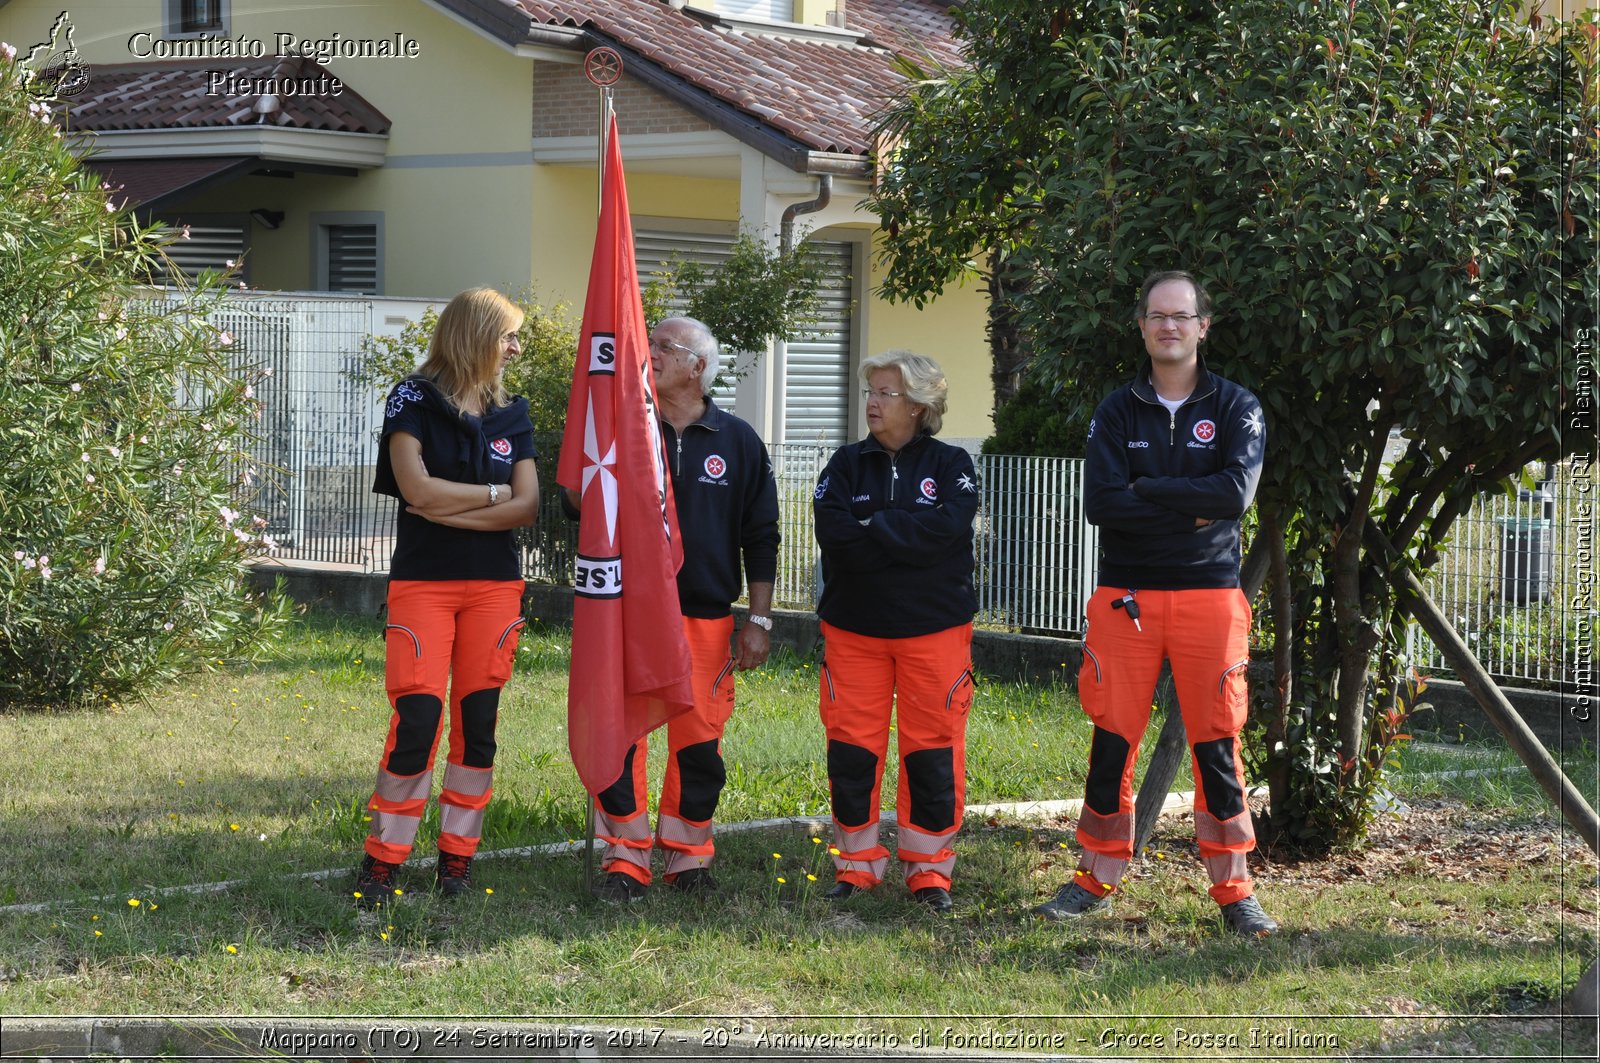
column 894, row 519
column 458, row 453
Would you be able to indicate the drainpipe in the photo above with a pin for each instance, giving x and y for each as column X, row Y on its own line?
column 780, row 354
column 824, row 197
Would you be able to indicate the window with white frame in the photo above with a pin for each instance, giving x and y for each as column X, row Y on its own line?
column 776, row 10
column 817, row 383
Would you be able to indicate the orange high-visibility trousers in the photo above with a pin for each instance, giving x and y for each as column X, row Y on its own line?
column 694, row 776
column 1204, row 633
column 443, row 636
column 925, row 683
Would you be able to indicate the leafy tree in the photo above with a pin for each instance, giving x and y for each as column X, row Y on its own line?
column 125, row 433
column 758, row 294
column 1394, row 206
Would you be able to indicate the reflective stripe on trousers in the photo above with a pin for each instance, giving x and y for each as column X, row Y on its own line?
column 925, row 684
column 446, row 639
column 1203, row 633
column 693, row 780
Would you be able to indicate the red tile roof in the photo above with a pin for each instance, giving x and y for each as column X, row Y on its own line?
column 178, row 94
column 822, row 93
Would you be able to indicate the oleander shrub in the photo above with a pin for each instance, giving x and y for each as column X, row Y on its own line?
column 124, row 440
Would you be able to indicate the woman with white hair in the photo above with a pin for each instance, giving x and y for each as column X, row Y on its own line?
column 894, row 519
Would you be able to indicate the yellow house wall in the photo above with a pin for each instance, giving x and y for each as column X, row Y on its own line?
column 564, row 226
column 460, row 150
column 949, row 330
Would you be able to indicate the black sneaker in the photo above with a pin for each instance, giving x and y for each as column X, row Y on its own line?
column 452, row 875
column 618, row 887
column 842, row 891
column 937, row 898
column 1071, row 901
column 374, row 882
column 1245, row 918
column 695, row 880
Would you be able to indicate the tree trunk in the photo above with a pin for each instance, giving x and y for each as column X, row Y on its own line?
column 1282, row 661
column 1009, row 347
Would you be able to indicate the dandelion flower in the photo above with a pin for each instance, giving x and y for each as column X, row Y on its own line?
column 233, row 950
column 811, row 878
column 834, row 849
column 384, row 935
column 777, row 856
column 783, row 880
column 816, row 841
column 488, row 890
column 99, row 933
column 233, row 826
column 133, row 902
column 356, row 894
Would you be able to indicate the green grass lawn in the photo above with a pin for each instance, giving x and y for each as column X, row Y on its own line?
column 252, row 774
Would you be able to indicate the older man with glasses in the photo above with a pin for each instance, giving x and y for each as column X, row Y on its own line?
column 1173, row 462
column 727, row 505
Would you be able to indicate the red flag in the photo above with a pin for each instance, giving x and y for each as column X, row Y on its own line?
column 630, row 660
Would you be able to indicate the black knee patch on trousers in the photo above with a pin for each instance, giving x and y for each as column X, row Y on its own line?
column 1108, row 755
column 414, row 735
column 1224, row 797
column 617, row 799
column 931, row 784
column 478, row 712
column 851, row 773
column 701, row 775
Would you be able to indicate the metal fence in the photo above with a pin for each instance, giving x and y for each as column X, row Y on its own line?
column 1506, row 580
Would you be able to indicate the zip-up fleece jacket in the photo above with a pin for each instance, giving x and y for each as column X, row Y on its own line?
column 896, row 538
column 1149, row 474
column 727, row 504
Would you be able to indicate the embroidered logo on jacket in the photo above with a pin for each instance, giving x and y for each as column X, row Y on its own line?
column 1205, row 431
column 929, row 488
column 405, row 392
column 716, row 468
column 822, row 489
column 501, row 447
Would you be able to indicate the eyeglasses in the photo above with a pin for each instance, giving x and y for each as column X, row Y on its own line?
column 881, row 396
column 1176, row 319
column 667, row 347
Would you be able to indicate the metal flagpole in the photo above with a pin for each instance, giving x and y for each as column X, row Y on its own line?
column 603, row 67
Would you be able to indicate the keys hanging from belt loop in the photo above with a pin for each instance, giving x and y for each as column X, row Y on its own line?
column 1127, row 602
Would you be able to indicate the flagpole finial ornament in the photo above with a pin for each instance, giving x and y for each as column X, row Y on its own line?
column 603, row 67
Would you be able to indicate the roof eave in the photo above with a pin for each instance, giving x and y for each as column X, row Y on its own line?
column 321, row 147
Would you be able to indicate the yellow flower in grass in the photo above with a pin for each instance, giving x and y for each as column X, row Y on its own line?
column 782, row 880
column 233, row 826
column 777, row 856
column 133, row 902
column 488, row 891
column 99, row 933
column 811, row 878
column 233, row 950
